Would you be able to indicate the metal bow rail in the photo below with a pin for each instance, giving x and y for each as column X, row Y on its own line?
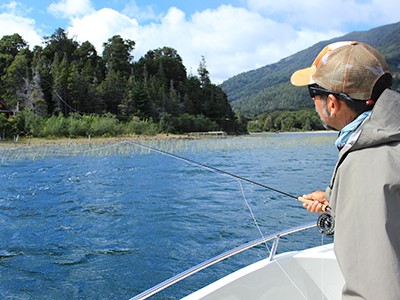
column 273, row 237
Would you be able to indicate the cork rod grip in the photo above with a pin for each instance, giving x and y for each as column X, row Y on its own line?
column 324, row 207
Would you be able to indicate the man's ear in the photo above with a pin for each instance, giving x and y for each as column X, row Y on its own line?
column 333, row 104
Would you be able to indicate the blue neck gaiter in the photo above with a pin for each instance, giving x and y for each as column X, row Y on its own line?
column 348, row 130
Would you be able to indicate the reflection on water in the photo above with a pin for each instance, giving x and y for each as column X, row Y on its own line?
column 109, row 221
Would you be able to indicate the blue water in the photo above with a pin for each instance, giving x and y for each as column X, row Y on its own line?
column 91, row 222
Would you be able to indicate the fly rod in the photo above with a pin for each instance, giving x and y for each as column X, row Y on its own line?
column 214, row 169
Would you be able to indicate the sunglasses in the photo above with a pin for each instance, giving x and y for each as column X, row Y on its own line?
column 315, row 90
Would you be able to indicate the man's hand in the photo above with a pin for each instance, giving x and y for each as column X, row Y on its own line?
column 315, row 202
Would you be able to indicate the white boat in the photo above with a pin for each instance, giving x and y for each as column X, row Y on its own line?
column 309, row 274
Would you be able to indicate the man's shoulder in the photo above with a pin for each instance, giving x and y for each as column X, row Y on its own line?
column 389, row 93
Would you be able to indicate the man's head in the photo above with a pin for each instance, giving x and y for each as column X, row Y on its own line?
column 346, row 75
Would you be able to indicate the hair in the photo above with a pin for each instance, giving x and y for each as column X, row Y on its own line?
column 360, row 106
column 383, row 83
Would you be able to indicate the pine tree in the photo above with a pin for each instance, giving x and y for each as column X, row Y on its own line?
column 17, row 82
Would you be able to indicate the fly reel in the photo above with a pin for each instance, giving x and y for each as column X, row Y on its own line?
column 326, row 224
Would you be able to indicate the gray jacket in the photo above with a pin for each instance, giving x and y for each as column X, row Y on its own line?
column 365, row 198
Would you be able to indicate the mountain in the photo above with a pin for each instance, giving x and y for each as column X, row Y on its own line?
column 268, row 88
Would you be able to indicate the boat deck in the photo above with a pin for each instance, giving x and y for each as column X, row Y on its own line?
column 309, row 274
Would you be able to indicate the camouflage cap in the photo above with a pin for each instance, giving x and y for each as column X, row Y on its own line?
column 346, row 67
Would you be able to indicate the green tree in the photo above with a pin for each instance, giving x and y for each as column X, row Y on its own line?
column 59, row 43
column 60, row 71
column 141, row 101
column 12, row 44
column 164, row 75
column 117, row 55
column 204, row 75
column 117, row 58
column 37, row 102
column 214, row 101
column 193, row 96
column 77, row 87
column 164, row 63
column 57, row 54
column 137, row 101
column 10, row 47
column 112, row 92
column 89, row 71
column 86, row 57
column 242, row 123
column 42, row 71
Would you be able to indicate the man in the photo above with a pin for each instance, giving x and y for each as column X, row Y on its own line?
column 350, row 85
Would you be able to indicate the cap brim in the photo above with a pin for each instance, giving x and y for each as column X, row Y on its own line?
column 303, row 77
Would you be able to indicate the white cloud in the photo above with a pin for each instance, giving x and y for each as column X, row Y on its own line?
column 15, row 8
column 327, row 14
column 13, row 20
column 70, row 8
column 101, row 25
column 231, row 39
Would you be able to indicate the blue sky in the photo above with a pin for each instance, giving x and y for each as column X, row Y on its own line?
column 234, row 36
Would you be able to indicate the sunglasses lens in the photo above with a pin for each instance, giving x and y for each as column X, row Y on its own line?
column 312, row 91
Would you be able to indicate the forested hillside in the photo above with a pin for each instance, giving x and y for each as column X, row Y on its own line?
column 268, row 88
column 63, row 77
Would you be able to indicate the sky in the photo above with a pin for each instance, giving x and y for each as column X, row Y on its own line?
column 233, row 36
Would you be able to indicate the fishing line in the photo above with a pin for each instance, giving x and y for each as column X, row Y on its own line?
column 239, row 180
column 322, row 271
column 214, row 169
column 263, row 237
column 252, row 214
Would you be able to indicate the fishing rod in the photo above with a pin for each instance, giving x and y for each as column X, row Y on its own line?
column 214, row 169
column 325, row 222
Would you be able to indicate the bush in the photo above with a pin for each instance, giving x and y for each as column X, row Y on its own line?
column 29, row 124
column 77, row 125
column 190, row 123
column 55, row 126
column 166, row 123
column 137, row 126
column 4, row 126
column 254, row 126
column 306, row 119
column 106, row 125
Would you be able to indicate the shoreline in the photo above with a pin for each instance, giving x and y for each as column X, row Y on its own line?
column 37, row 142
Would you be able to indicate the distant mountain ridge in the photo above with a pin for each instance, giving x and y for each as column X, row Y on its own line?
column 268, row 88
